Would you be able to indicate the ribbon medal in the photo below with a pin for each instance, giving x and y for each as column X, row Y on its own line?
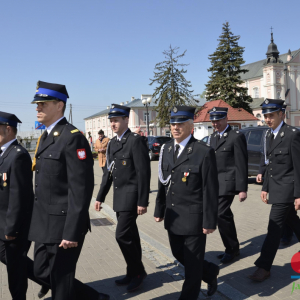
column 4, row 176
column 186, row 174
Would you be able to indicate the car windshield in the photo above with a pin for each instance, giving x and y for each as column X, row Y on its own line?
column 162, row 140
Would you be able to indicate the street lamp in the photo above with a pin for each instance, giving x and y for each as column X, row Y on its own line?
column 146, row 102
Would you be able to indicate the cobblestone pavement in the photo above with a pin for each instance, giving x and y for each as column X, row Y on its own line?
column 101, row 261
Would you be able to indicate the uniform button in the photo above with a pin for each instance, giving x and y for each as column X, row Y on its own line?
column 114, row 158
column 270, row 155
column 215, row 151
column 36, row 184
column 63, row 212
column 115, row 177
column 173, row 204
column 271, row 175
column 116, row 187
column 37, row 171
column 270, row 162
column 35, row 198
column 271, row 169
column 172, row 182
column 172, row 193
column 173, row 171
column 39, row 157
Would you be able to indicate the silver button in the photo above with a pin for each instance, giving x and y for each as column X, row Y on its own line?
column 173, row 204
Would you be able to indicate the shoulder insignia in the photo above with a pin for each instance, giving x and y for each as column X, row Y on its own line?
column 56, row 133
column 75, row 130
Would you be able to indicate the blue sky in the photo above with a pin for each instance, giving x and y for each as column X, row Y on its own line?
column 105, row 51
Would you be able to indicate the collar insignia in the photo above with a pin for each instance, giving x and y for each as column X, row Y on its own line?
column 190, row 149
column 170, row 148
column 56, row 133
column 175, row 110
column 225, row 134
column 282, row 134
column 267, row 101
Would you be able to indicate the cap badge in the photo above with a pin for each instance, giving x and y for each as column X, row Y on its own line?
column 282, row 134
column 175, row 110
column 112, row 106
column 267, row 101
column 214, row 109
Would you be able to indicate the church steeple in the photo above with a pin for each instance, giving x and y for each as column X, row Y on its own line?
column 272, row 53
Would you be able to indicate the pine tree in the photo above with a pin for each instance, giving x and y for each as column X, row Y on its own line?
column 226, row 66
column 172, row 87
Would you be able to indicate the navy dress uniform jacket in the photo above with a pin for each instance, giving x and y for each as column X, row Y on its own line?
column 64, row 183
column 16, row 196
column 131, row 173
column 282, row 178
column 188, row 206
column 232, row 161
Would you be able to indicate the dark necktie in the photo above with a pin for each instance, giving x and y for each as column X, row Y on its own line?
column 43, row 138
column 271, row 140
column 177, row 147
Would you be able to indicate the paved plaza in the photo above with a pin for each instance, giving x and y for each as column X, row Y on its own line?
column 101, row 261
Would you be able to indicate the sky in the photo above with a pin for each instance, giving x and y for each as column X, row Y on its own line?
column 105, row 51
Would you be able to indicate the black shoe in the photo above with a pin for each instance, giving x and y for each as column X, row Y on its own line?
column 43, row 291
column 220, row 256
column 229, row 257
column 124, row 281
column 103, row 297
column 136, row 282
column 212, row 287
column 285, row 241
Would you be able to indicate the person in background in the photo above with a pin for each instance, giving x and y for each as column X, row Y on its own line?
column 100, row 147
column 90, row 140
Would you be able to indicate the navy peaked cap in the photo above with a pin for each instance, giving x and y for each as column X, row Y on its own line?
column 272, row 105
column 218, row 113
column 118, row 111
column 46, row 91
column 8, row 119
column 181, row 114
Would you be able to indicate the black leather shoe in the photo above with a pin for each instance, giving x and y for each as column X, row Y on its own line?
column 212, row 287
column 124, row 281
column 103, row 297
column 136, row 282
column 229, row 257
column 43, row 291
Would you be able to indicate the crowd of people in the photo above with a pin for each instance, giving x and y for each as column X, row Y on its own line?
column 197, row 185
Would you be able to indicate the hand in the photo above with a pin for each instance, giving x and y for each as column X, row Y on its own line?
column 10, row 238
column 259, row 178
column 158, row 219
column 297, row 204
column 68, row 244
column 208, row 231
column 242, row 196
column 98, row 206
column 263, row 197
column 141, row 210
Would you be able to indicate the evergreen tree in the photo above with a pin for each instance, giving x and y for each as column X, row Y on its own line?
column 172, row 87
column 226, row 66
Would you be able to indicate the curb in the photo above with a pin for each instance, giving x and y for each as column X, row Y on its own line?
column 223, row 288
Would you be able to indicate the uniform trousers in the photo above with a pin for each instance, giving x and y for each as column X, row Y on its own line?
column 14, row 255
column 56, row 267
column 189, row 251
column 280, row 213
column 226, row 224
column 128, row 238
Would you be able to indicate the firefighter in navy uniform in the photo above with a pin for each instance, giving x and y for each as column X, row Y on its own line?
column 128, row 168
column 187, row 201
column 281, row 186
column 64, row 182
column 232, row 162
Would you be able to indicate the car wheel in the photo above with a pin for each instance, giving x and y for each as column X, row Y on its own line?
column 151, row 156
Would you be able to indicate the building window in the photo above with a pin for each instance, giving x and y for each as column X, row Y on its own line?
column 256, row 92
column 278, row 95
column 99, row 123
column 234, row 127
column 145, row 117
column 103, row 122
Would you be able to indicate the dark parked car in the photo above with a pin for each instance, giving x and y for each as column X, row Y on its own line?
column 155, row 143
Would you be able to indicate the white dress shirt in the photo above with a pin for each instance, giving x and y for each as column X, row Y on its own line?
column 181, row 144
column 119, row 138
column 49, row 128
column 5, row 146
column 275, row 132
column 221, row 133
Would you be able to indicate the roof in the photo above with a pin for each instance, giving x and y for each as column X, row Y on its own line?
column 256, row 102
column 256, row 68
column 234, row 114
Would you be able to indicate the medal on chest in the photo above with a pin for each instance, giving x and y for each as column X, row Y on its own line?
column 4, row 176
column 184, row 178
